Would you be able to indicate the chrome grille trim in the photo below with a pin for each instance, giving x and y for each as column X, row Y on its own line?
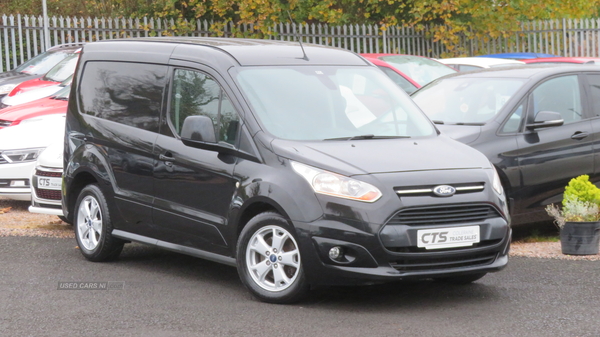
column 462, row 188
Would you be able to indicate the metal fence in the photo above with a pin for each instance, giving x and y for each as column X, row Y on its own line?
column 22, row 36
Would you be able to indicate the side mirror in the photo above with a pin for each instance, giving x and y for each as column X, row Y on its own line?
column 198, row 128
column 546, row 119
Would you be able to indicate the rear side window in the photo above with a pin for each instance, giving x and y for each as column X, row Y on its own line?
column 127, row 93
column 197, row 94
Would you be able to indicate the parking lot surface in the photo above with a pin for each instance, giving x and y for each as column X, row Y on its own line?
column 153, row 292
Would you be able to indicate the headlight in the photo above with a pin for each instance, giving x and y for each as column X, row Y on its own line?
column 496, row 184
column 5, row 89
column 20, row 156
column 336, row 185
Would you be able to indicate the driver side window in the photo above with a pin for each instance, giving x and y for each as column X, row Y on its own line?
column 560, row 95
column 198, row 94
column 513, row 123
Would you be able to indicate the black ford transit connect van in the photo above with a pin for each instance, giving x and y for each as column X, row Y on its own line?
column 298, row 166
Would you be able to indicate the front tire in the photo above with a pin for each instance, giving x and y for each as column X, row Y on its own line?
column 269, row 261
column 93, row 226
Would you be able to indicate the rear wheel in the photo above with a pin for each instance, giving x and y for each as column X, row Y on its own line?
column 93, row 226
column 269, row 261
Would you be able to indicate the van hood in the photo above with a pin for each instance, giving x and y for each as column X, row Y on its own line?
column 371, row 156
column 463, row 133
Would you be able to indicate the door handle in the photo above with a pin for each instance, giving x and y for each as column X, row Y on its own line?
column 579, row 135
column 165, row 158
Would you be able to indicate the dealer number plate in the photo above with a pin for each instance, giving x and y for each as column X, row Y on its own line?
column 448, row 237
column 49, row 183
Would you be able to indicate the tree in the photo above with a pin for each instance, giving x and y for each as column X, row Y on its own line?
column 445, row 20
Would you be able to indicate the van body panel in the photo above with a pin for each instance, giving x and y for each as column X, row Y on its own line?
column 198, row 197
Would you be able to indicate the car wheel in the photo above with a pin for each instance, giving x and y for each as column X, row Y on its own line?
column 269, row 261
column 462, row 279
column 93, row 226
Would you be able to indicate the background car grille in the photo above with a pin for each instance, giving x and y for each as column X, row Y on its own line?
column 442, row 263
column 48, row 194
column 438, row 215
column 48, row 174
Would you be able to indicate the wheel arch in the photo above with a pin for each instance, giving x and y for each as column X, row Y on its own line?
column 79, row 182
column 256, row 206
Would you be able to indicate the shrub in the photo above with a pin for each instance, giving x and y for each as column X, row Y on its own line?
column 580, row 203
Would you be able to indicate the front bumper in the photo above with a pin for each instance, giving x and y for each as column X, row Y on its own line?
column 15, row 180
column 372, row 257
column 45, row 200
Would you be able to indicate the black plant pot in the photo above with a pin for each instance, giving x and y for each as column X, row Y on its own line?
column 580, row 238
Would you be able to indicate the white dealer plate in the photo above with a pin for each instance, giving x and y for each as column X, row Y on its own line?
column 447, row 237
column 49, row 183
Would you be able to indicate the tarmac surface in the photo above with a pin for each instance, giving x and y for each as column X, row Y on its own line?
column 48, row 289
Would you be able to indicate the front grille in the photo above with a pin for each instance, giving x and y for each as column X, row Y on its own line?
column 441, row 215
column 2, row 159
column 442, row 263
column 428, row 190
column 48, row 174
column 48, row 194
column 4, row 123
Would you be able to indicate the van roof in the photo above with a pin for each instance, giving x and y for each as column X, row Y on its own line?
column 253, row 52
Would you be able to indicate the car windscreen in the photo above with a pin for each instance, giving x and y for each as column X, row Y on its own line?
column 42, row 63
column 466, row 100
column 420, row 69
column 63, row 70
column 329, row 102
column 63, row 94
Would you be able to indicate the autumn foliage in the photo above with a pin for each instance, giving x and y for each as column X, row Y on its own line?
column 447, row 20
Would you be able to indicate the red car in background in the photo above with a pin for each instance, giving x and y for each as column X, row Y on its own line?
column 59, row 73
column 568, row 60
column 408, row 71
column 55, row 104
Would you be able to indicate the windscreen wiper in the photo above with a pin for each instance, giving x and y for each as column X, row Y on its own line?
column 474, row 124
column 361, row 137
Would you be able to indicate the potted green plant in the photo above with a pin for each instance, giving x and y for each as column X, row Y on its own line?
column 579, row 218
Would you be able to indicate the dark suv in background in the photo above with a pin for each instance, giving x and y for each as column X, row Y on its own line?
column 539, row 125
column 299, row 166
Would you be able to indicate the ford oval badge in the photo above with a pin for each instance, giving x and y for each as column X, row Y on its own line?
column 444, row 191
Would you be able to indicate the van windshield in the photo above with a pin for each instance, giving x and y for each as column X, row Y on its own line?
column 327, row 102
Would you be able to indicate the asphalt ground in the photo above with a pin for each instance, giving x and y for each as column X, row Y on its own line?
column 152, row 292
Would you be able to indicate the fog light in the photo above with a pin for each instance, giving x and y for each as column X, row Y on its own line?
column 18, row 183
column 336, row 253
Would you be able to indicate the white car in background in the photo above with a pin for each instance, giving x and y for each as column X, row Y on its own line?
column 35, row 94
column 475, row 63
column 46, row 181
column 20, row 147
